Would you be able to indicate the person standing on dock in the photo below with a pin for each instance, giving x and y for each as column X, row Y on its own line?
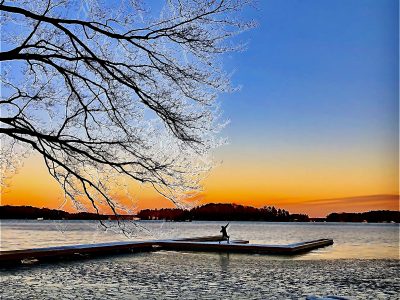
column 225, row 235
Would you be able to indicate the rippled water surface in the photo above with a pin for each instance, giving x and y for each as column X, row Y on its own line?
column 362, row 264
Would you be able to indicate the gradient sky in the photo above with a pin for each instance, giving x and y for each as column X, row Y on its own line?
column 314, row 128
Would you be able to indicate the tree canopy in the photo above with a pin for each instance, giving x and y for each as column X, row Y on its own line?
column 107, row 89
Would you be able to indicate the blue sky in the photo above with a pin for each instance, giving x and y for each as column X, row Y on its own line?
column 317, row 116
column 317, row 72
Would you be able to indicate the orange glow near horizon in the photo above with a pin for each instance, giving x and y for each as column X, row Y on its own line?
column 297, row 186
column 314, row 126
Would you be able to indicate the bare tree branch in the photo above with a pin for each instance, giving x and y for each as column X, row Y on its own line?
column 115, row 93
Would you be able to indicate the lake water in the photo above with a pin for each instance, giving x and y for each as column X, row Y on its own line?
column 351, row 240
column 363, row 263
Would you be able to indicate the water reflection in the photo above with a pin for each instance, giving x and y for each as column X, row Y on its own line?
column 224, row 262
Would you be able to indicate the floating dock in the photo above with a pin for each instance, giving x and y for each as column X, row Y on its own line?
column 244, row 246
column 198, row 244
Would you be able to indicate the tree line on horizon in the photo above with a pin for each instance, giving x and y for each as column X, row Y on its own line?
column 370, row 217
column 30, row 212
column 234, row 212
column 222, row 212
column 207, row 212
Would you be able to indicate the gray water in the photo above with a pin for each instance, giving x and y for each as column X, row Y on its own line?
column 363, row 263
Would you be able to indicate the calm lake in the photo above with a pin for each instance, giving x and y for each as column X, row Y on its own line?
column 351, row 240
column 363, row 263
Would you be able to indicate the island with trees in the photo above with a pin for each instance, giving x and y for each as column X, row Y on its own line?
column 207, row 212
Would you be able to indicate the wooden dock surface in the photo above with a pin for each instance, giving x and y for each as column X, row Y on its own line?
column 245, row 248
column 191, row 244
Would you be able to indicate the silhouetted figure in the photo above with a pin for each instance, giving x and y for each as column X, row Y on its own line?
column 225, row 235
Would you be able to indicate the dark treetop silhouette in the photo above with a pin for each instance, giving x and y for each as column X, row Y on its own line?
column 105, row 92
column 206, row 212
column 222, row 211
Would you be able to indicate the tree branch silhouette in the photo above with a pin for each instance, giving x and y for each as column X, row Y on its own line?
column 115, row 93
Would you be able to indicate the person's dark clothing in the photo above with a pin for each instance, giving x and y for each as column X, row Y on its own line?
column 224, row 233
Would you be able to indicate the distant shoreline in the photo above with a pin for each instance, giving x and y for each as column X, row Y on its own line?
column 207, row 212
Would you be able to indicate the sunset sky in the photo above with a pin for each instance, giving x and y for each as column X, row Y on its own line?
column 314, row 128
